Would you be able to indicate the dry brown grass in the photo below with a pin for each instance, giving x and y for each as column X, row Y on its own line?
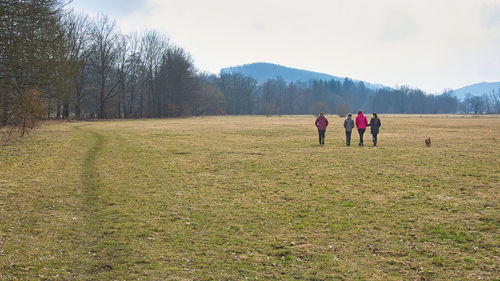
column 235, row 197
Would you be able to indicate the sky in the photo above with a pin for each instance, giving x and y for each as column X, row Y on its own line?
column 432, row 45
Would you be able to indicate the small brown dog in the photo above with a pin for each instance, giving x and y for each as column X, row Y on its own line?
column 428, row 141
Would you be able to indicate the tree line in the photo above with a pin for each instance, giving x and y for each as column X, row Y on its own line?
column 55, row 63
column 243, row 95
column 488, row 103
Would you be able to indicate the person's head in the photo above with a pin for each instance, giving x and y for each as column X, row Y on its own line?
column 360, row 112
column 375, row 115
column 349, row 115
column 321, row 114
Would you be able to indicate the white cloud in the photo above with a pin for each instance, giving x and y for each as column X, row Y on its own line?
column 430, row 44
column 112, row 7
column 490, row 15
column 398, row 26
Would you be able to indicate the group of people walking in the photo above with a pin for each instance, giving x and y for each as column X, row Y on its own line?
column 360, row 122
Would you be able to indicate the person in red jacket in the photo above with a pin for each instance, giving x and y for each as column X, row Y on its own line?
column 321, row 123
column 361, row 123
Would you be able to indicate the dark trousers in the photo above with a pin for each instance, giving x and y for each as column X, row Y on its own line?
column 374, row 138
column 321, row 136
column 361, row 133
column 348, row 137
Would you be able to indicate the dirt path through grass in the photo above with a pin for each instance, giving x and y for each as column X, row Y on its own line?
column 90, row 174
column 107, row 252
column 90, row 203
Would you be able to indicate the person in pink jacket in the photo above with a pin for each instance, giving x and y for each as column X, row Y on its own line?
column 321, row 123
column 361, row 123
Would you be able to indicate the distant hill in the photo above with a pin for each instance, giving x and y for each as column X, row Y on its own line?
column 477, row 89
column 263, row 71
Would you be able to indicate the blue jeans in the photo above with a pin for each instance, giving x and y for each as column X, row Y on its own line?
column 361, row 133
column 348, row 137
column 374, row 138
column 321, row 136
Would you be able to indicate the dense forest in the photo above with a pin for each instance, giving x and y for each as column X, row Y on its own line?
column 55, row 63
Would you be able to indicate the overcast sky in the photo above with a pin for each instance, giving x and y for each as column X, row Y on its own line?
column 427, row 44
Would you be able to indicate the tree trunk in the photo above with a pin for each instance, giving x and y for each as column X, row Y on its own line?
column 119, row 109
column 77, row 110
column 65, row 113
column 24, row 126
column 101, row 110
column 140, row 104
column 4, row 116
column 78, row 80
column 58, row 109
column 4, row 111
column 48, row 109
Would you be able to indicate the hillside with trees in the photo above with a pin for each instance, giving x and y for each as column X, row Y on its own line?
column 478, row 89
column 262, row 71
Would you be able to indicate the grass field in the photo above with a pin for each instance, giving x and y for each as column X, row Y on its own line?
column 232, row 198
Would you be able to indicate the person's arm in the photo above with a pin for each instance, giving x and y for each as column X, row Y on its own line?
column 345, row 123
column 369, row 124
column 326, row 122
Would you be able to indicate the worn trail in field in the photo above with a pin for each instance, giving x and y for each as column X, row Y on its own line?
column 99, row 242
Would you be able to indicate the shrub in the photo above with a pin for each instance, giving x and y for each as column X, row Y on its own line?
column 317, row 107
column 343, row 109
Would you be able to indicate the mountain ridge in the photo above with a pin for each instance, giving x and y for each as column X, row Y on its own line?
column 477, row 89
column 263, row 71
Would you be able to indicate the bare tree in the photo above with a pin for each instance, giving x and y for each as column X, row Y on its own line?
column 210, row 100
column 122, row 53
column 177, row 85
column 495, row 100
column 77, row 36
column 103, row 59
column 154, row 45
column 477, row 104
column 136, row 77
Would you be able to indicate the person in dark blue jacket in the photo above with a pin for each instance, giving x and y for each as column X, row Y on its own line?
column 374, row 126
